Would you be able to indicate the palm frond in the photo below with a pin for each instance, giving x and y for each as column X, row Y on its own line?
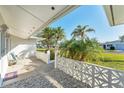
column 90, row 30
column 83, row 28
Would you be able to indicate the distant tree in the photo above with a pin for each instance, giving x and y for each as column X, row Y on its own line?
column 59, row 34
column 47, row 34
column 51, row 36
column 80, row 31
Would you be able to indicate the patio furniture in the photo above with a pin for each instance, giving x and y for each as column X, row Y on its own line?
column 12, row 59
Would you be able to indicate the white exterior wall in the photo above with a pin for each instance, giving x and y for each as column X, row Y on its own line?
column 45, row 57
column 27, row 46
column 15, row 41
column 20, row 47
column 119, row 46
column 1, row 20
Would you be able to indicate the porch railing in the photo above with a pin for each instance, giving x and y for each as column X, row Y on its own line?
column 93, row 75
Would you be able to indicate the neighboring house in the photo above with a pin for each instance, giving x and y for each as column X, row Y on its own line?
column 117, row 45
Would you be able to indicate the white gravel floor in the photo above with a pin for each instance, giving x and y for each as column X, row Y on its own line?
column 47, row 77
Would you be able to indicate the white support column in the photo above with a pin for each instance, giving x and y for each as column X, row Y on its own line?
column 48, row 53
column 3, row 29
column 56, row 57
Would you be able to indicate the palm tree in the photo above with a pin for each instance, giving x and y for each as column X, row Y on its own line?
column 47, row 34
column 58, row 34
column 80, row 31
column 88, row 50
column 121, row 38
column 51, row 36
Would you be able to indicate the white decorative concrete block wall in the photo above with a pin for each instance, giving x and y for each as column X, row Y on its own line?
column 45, row 57
column 93, row 75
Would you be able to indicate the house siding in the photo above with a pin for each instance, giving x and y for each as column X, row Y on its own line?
column 117, row 45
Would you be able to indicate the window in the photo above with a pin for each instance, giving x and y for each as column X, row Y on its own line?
column 2, row 43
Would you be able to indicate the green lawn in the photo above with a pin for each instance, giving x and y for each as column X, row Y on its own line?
column 41, row 49
column 112, row 60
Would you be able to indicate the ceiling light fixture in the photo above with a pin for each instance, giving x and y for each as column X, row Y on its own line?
column 53, row 8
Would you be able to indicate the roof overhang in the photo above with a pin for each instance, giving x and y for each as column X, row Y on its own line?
column 25, row 20
column 115, row 14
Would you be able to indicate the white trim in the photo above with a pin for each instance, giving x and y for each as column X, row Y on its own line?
column 62, row 13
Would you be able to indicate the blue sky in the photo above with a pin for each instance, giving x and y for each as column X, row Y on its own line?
column 95, row 17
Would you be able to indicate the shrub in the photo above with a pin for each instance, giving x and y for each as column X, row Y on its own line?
column 112, row 48
column 85, row 50
column 42, row 49
column 52, row 54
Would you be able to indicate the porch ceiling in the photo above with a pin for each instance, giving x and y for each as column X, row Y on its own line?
column 24, row 20
column 115, row 14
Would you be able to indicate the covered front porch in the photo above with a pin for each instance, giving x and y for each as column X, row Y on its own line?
column 33, row 73
column 17, row 25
